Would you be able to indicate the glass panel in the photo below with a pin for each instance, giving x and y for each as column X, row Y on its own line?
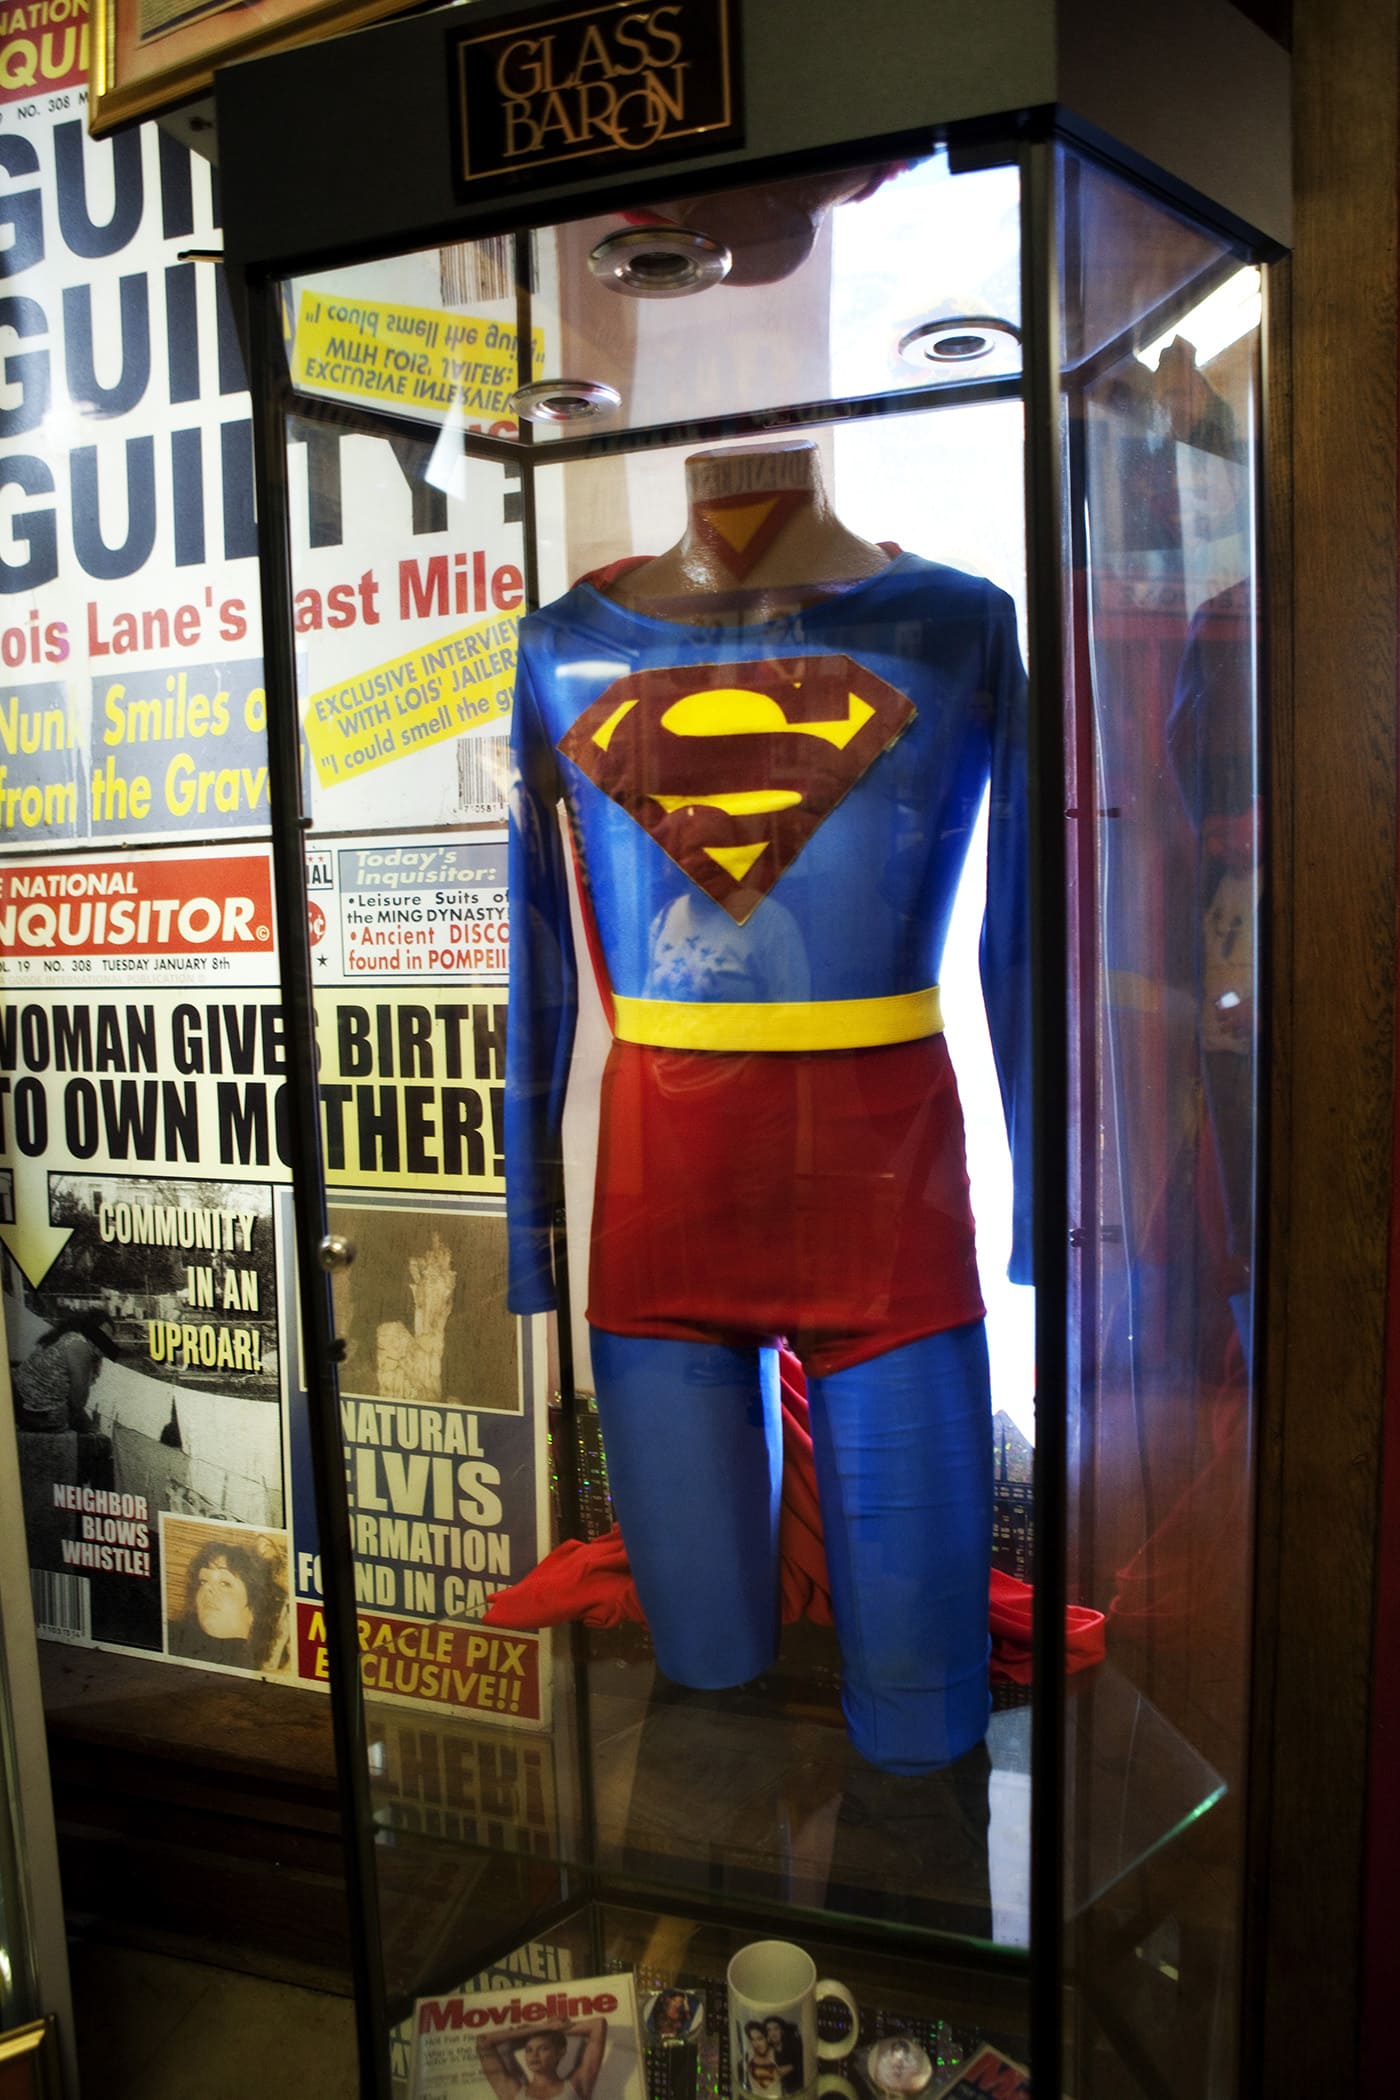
column 1161, row 459
column 751, row 851
column 407, row 584
column 818, row 301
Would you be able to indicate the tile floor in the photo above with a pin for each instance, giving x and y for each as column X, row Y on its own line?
column 152, row 2028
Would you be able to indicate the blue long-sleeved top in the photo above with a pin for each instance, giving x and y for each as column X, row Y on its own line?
column 778, row 812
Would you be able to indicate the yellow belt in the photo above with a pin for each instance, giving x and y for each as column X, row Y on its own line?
column 782, row 1024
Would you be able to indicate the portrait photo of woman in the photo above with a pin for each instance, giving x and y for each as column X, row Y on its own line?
column 226, row 1596
column 542, row 2062
column 674, row 2015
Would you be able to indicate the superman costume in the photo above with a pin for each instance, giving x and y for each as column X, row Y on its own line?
column 769, row 824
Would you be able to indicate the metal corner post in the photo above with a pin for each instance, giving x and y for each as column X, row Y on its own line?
column 1050, row 1099
column 328, row 1465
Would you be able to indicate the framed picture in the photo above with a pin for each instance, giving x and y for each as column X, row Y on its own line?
column 29, row 2067
column 148, row 55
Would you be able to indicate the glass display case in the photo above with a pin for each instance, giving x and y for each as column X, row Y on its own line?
column 771, row 931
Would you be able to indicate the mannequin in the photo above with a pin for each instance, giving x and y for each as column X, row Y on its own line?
column 772, row 742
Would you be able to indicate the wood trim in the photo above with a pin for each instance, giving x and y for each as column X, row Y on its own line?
column 1381, row 1926
column 1334, row 882
column 1276, row 1092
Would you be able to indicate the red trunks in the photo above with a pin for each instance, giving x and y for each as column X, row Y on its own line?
column 819, row 1196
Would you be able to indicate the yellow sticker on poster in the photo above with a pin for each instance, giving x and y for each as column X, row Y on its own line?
column 434, row 693
column 412, row 357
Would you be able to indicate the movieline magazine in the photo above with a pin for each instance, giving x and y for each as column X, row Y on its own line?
column 578, row 2040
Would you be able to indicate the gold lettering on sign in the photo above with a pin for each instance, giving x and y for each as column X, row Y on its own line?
column 619, row 84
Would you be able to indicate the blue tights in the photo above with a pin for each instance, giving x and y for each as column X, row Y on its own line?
column 903, row 1450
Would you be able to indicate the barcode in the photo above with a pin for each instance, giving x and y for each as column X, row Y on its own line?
column 483, row 771
column 483, row 270
column 62, row 1605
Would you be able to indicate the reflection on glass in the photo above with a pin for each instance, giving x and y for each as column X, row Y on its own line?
column 866, row 281
column 1163, row 411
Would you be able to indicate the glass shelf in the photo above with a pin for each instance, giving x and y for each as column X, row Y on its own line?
column 753, row 1800
column 789, row 1815
column 950, row 2008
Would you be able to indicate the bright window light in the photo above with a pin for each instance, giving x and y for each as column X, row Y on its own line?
column 1230, row 312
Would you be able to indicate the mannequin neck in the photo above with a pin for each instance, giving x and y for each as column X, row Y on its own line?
column 761, row 538
column 794, row 466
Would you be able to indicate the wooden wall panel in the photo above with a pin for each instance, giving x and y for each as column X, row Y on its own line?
column 1334, row 876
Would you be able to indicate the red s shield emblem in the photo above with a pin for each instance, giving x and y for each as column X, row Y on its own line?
column 732, row 767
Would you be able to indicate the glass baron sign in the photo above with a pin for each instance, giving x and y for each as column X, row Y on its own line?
column 604, row 84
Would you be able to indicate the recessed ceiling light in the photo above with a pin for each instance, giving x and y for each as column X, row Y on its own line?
column 659, row 262
column 957, row 339
column 564, row 400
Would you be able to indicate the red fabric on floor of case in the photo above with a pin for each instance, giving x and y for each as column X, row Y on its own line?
column 590, row 1579
column 1012, row 1610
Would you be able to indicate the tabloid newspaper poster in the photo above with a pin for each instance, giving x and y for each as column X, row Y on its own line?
column 408, row 582
column 132, row 704
column 145, row 1097
column 442, row 1418
column 144, row 1153
column 140, row 1267
column 442, row 1391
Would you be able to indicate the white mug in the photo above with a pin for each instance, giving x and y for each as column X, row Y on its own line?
column 774, row 1991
